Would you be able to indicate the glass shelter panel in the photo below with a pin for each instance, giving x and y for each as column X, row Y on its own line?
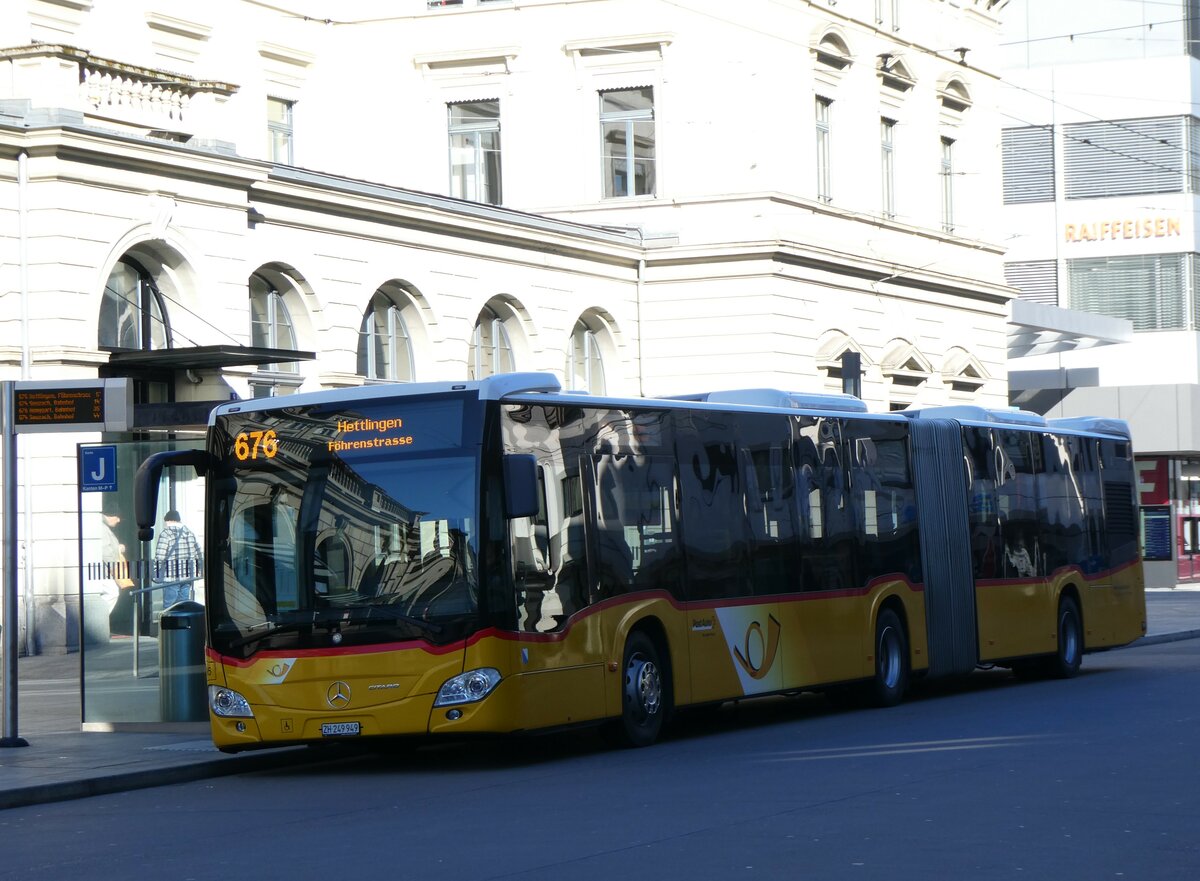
column 124, row 584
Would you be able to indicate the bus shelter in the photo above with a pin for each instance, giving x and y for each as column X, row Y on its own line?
column 126, row 584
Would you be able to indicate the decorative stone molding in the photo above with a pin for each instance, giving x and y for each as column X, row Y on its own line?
column 57, row 19
column 176, row 39
column 286, row 68
column 634, row 52
column 130, row 95
column 468, row 62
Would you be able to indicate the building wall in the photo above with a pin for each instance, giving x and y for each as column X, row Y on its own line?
column 1134, row 63
column 142, row 128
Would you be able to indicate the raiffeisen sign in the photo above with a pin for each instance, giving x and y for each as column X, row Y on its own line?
column 1120, row 228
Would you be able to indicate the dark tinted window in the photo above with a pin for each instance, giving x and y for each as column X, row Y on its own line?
column 828, row 537
column 987, row 551
column 1120, row 505
column 712, row 507
column 882, row 499
column 772, row 503
column 1061, row 508
column 1019, row 456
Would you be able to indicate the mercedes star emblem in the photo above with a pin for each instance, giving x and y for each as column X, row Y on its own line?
column 338, row 695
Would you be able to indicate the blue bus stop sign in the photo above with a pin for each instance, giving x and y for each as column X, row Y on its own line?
column 98, row 469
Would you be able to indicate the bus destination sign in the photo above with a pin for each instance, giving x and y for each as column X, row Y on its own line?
column 72, row 405
column 58, row 406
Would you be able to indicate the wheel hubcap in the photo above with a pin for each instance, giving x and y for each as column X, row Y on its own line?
column 643, row 686
column 889, row 658
column 1070, row 638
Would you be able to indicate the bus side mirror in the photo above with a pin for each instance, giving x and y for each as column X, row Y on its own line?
column 145, row 484
column 520, row 486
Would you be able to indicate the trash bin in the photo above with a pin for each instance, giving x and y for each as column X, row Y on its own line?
column 182, row 687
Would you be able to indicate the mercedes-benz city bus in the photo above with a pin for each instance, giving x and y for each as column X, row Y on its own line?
column 502, row 556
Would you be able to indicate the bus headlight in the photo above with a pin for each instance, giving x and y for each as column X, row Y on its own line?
column 227, row 702
column 468, row 687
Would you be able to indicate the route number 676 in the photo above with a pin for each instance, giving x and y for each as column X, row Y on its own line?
column 252, row 444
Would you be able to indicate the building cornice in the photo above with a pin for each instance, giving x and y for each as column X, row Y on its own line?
column 108, row 65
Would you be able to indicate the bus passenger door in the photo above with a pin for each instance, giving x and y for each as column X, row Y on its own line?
column 560, row 649
column 737, row 521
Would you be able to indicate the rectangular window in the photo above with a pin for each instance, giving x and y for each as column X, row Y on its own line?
column 1028, row 157
column 1192, row 11
column 475, row 151
column 893, row 6
column 824, row 149
column 947, row 174
column 279, row 130
column 887, row 144
column 627, row 142
column 1128, row 157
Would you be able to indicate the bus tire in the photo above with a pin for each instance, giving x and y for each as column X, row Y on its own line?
column 891, row 661
column 1065, row 661
column 644, row 694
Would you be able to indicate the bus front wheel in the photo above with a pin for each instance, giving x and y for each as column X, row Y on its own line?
column 891, row 660
column 644, row 693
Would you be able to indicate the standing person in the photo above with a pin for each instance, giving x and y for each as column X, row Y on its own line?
column 112, row 553
column 177, row 560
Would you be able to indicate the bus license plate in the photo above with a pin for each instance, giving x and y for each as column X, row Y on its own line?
column 339, row 729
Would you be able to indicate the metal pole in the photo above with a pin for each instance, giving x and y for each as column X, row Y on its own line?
column 8, row 737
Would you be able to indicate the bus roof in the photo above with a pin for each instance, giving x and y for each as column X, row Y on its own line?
column 530, row 387
column 1023, row 418
column 769, row 397
column 491, row 388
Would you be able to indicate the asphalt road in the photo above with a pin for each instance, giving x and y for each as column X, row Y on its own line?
column 1093, row 778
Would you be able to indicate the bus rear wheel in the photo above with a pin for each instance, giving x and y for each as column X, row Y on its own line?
column 891, row 661
column 1064, row 663
column 644, row 694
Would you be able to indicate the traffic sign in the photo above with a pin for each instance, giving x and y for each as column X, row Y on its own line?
column 98, row 469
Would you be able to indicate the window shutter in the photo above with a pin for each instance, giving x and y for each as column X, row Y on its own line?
column 1028, row 155
column 1150, row 290
column 1037, row 280
column 1126, row 158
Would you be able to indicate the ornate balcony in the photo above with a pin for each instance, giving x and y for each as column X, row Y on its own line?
column 114, row 94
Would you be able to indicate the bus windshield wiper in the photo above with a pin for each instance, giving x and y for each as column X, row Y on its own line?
column 367, row 614
column 330, row 619
column 268, row 628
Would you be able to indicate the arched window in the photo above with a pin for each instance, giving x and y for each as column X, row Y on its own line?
column 962, row 372
column 585, row 367
column 132, row 313
column 385, row 349
column 491, row 348
column 271, row 327
column 954, row 95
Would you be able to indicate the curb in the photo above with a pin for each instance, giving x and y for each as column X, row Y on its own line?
column 124, row 782
column 1160, row 638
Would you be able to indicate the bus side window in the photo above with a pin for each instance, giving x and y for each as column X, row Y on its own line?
column 828, row 546
column 982, row 507
column 1087, row 472
column 530, row 540
column 883, row 499
column 1060, row 511
column 1120, row 501
column 713, row 510
column 1018, row 503
column 765, row 448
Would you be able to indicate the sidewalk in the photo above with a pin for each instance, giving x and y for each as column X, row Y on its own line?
column 62, row 762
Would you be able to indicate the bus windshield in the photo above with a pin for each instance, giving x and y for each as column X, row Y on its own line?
column 348, row 524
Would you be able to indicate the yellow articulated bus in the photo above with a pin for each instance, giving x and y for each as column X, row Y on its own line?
column 502, row 556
